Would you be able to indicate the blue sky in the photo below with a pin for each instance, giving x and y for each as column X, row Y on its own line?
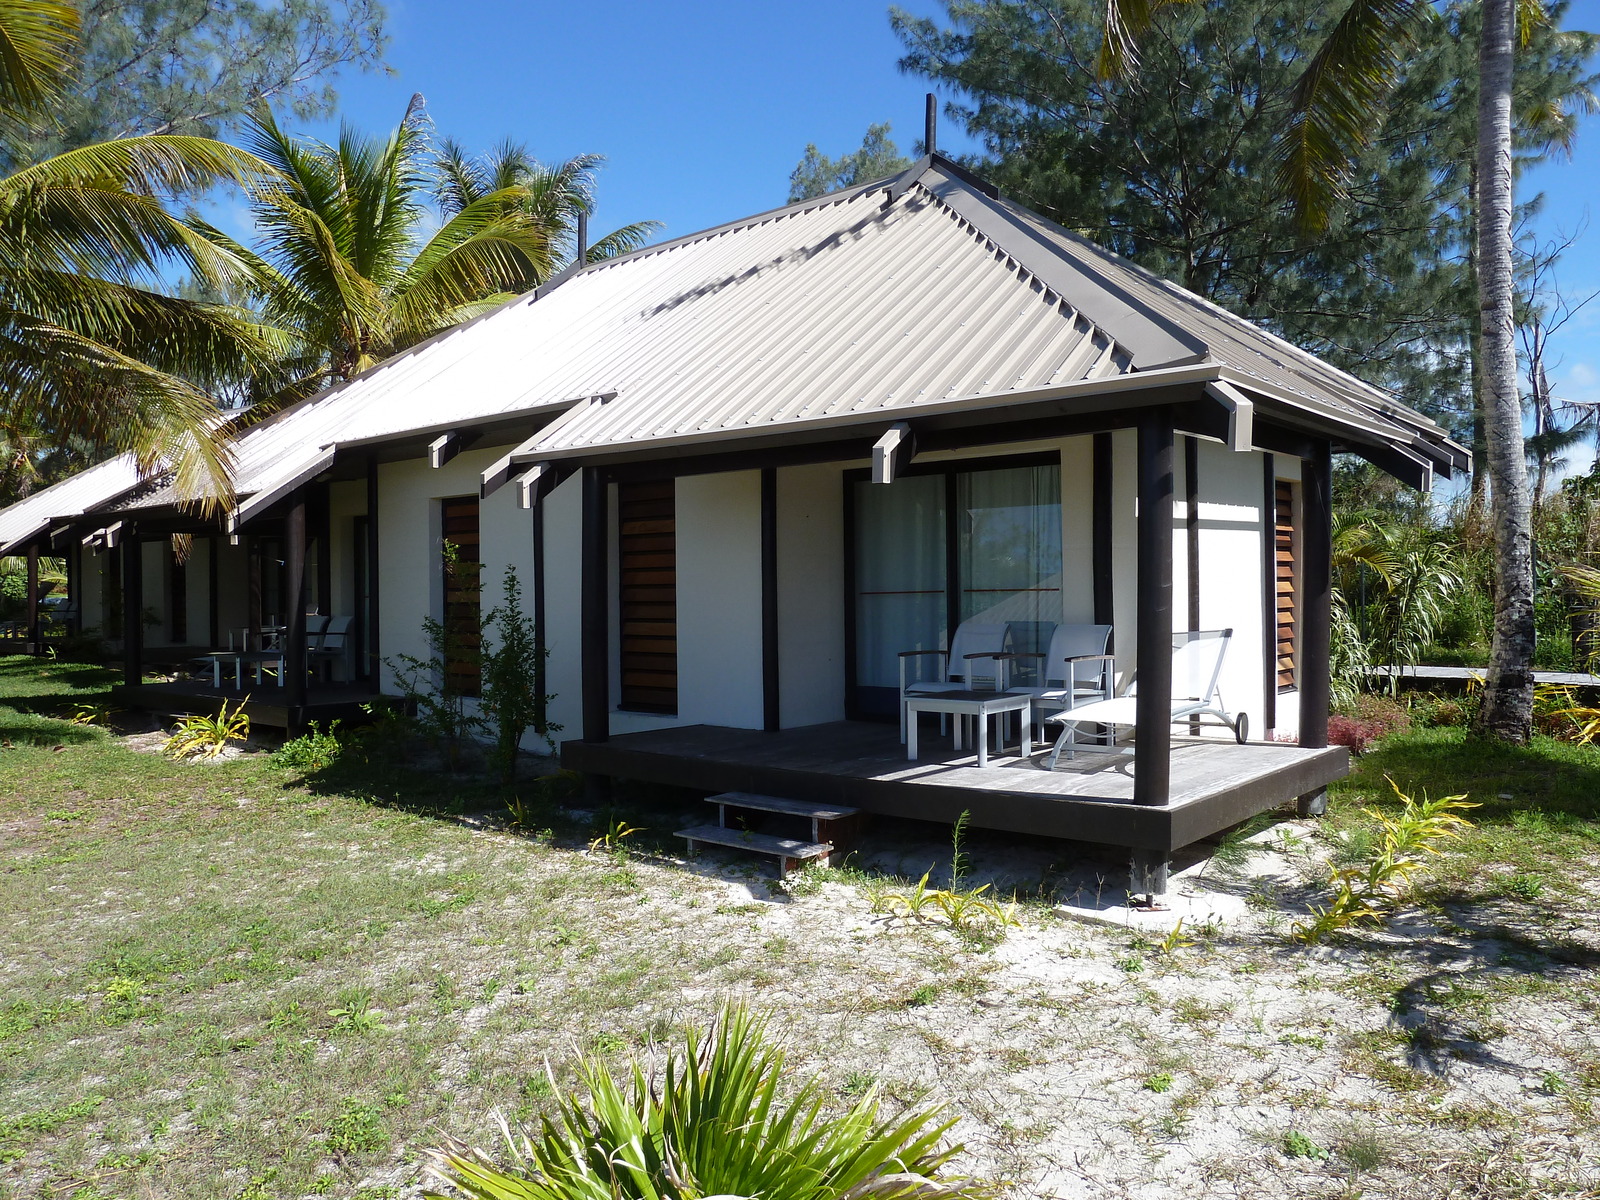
column 703, row 107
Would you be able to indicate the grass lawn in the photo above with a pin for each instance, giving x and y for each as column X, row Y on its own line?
column 235, row 980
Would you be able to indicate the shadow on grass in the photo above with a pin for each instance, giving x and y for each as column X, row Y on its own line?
column 1557, row 779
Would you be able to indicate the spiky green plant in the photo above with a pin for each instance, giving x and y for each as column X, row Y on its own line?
column 201, row 735
column 717, row 1118
column 1364, row 892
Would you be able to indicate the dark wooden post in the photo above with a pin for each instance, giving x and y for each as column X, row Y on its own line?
column 132, row 607
column 1316, row 580
column 323, row 533
column 596, row 596
column 213, row 575
column 252, row 555
column 374, row 660
column 540, row 646
column 294, row 556
column 1152, row 760
column 771, row 711
column 33, row 598
column 1269, row 594
column 1104, row 606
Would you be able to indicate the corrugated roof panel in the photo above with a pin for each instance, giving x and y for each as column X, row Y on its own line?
column 839, row 306
column 88, row 489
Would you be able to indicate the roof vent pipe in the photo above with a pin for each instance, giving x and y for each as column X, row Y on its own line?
column 930, row 136
column 583, row 240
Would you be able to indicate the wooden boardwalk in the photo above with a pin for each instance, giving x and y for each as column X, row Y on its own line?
column 1463, row 675
column 1215, row 783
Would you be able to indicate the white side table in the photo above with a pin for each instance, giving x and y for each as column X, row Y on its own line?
column 981, row 705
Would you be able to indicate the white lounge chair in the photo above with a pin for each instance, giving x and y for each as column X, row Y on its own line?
column 1196, row 666
column 332, row 648
column 976, row 655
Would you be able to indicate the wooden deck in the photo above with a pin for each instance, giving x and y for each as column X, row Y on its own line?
column 267, row 704
column 1215, row 784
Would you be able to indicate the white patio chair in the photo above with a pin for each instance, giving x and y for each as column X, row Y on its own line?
column 333, row 647
column 976, row 655
column 1196, row 666
column 1076, row 669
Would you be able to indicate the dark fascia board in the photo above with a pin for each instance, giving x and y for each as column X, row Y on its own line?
column 1150, row 340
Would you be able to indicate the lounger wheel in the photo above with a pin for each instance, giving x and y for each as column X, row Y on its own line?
column 1241, row 727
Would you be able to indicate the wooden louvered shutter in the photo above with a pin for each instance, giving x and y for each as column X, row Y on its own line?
column 648, row 576
column 463, row 596
column 1288, row 575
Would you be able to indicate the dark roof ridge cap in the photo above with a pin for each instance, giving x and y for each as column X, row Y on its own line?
column 794, row 208
column 1368, row 393
column 1131, row 328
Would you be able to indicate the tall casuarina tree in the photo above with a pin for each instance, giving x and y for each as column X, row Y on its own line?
column 1339, row 102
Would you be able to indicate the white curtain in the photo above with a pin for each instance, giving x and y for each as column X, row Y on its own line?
column 1010, row 552
column 900, row 584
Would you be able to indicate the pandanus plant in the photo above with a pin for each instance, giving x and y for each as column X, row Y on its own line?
column 716, row 1119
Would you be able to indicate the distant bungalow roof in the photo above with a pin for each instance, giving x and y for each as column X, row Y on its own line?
column 915, row 295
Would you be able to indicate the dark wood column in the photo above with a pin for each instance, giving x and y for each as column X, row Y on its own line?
column 1269, row 596
column 33, row 598
column 294, row 565
column 374, row 657
column 1316, row 599
column 213, row 575
column 252, row 555
column 541, row 647
column 1100, row 517
column 771, row 714
column 1152, row 759
column 596, row 607
column 322, row 533
column 132, row 607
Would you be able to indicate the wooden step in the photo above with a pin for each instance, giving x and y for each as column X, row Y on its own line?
column 777, row 804
column 785, row 850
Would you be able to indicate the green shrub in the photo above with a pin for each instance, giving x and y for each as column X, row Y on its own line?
column 202, row 736
column 313, row 751
column 717, row 1118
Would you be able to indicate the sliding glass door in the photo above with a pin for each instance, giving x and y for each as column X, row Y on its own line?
column 944, row 545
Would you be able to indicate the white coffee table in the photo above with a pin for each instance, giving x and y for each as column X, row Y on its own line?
column 981, row 705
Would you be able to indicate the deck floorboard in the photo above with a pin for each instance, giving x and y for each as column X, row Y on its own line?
column 1215, row 783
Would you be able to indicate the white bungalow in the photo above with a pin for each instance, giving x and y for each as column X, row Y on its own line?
column 744, row 471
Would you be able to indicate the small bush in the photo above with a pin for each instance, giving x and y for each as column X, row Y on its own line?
column 1298, row 1145
column 312, row 751
column 1365, row 719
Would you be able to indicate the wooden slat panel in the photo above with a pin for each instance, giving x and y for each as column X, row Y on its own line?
column 647, row 546
column 1286, row 582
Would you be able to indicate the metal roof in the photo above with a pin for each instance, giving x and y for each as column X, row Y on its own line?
column 923, row 290
column 72, row 497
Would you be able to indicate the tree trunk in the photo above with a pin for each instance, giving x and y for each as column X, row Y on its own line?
column 1508, row 690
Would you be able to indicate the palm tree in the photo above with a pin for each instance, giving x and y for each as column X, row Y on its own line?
column 555, row 196
column 345, row 267
column 1338, row 103
column 93, row 350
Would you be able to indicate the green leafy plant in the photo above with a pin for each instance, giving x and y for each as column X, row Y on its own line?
column 1365, row 892
column 617, row 831
column 1175, row 940
column 92, row 712
column 202, row 736
column 355, row 1014
column 1161, row 1082
column 717, row 1118
column 514, row 701
column 967, row 910
column 1298, row 1145
column 312, row 751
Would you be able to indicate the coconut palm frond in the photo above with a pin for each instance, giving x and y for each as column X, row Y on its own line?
column 36, row 43
column 1127, row 23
